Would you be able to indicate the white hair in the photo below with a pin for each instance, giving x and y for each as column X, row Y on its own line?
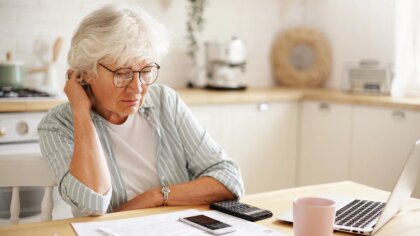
column 118, row 35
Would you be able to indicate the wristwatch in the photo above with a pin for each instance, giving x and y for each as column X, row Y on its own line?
column 165, row 191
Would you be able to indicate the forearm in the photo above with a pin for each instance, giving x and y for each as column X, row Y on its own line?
column 204, row 190
column 88, row 164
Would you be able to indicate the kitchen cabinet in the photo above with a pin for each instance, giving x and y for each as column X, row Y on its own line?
column 365, row 144
column 381, row 141
column 261, row 137
column 324, row 147
column 209, row 117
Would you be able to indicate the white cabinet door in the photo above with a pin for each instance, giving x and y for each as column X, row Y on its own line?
column 382, row 139
column 324, row 142
column 210, row 117
column 263, row 142
column 261, row 137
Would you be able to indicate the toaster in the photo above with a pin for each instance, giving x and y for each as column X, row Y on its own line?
column 368, row 76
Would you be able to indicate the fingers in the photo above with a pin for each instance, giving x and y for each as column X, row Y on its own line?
column 70, row 81
column 69, row 75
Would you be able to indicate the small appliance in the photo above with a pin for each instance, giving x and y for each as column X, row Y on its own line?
column 368, row 76
column 225, row 65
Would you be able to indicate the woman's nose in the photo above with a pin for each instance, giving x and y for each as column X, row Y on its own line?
column 135, row 83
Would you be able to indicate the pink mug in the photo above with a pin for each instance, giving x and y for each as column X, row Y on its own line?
column 313, row 216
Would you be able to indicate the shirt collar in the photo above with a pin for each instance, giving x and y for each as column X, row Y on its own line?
column 148, row 102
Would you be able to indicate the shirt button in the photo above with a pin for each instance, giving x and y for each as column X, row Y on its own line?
column 148, row 118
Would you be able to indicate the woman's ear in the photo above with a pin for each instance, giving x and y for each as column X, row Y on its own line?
column 85, row 78
column 79, row 77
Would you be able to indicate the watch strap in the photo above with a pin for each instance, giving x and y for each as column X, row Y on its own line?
column 165, row 191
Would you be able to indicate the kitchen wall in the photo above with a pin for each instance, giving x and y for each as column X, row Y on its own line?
column 356, row 29
column 25, row 24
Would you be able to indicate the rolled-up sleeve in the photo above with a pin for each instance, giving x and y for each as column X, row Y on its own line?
column 56, row 143
column 210, row 160
column 204, row 156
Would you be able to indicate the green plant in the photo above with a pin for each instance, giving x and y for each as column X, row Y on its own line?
column 195, row 24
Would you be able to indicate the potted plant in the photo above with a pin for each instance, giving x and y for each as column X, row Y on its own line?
column 195, row 24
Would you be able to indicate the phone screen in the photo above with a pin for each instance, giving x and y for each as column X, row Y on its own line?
column 207, row 222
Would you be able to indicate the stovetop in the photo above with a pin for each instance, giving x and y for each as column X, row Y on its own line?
column 8, row 92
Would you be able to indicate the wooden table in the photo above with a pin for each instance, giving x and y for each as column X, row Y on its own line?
column 405, row 223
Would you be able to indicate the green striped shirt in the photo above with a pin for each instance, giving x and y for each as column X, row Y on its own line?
column 185, row 152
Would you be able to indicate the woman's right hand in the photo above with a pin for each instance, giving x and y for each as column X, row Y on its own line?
column 77, row 95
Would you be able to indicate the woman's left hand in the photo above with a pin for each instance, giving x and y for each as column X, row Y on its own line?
column 148, row 199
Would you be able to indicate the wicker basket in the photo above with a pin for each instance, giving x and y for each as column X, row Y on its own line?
column 287, row 73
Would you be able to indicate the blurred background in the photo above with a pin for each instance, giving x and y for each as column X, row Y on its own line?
column 28, row 28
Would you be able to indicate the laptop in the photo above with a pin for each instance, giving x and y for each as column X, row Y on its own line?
column 367, row 217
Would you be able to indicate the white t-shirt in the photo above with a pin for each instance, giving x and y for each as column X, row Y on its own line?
column 134, row 146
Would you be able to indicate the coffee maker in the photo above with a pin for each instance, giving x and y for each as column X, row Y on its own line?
column 225, row 65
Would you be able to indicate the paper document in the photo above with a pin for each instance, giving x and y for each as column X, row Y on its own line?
column 168, row 224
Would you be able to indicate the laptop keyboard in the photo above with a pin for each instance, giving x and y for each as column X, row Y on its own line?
column 358, row 213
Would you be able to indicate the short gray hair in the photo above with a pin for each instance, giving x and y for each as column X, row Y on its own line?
column 117, row 34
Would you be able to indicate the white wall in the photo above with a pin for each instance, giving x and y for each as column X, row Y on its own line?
column 24, row 22
column 356, row 29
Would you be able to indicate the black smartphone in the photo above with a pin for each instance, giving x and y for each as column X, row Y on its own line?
column 208, row 224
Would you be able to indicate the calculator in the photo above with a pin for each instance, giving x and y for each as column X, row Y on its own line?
column 241, row 210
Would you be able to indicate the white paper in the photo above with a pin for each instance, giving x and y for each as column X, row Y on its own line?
column 168, row 224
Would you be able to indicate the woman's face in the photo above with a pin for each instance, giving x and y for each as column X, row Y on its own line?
column 116, row 104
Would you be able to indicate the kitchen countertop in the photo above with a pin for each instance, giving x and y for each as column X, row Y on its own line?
column 409, row 103
column 29, row 104
column 271, row 94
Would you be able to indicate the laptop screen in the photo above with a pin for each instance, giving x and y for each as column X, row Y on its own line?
column 403, row 188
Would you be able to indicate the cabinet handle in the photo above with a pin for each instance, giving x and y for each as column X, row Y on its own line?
column 324, row 106
column 263, row 106
column 22, row 128
column 398, row 115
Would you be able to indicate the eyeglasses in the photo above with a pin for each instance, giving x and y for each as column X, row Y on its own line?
column 123, row 76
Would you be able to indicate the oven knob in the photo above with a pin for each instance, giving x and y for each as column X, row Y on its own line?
column 2, row 131
column 22, row 128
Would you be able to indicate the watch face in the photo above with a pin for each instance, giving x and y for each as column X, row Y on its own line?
column 165, row 190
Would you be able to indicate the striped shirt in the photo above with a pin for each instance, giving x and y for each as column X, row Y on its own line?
column 185, row 151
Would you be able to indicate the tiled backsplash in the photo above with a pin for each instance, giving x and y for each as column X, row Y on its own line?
column 26, row 24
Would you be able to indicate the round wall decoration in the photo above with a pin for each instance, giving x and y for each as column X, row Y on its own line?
column 301, row 57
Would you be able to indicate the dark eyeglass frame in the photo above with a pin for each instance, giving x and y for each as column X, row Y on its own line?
column 152, row 64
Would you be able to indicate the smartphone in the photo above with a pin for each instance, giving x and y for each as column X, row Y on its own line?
column 208, row 224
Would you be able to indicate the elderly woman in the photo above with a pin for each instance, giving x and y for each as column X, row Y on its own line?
column 123, row 142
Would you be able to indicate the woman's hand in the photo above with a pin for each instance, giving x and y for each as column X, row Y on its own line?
column 148, row 199
column 77, row 95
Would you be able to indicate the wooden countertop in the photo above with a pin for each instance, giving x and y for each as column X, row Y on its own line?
column 272, row 94
column 276, row 94
column 26, row 105
column 409, row 103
